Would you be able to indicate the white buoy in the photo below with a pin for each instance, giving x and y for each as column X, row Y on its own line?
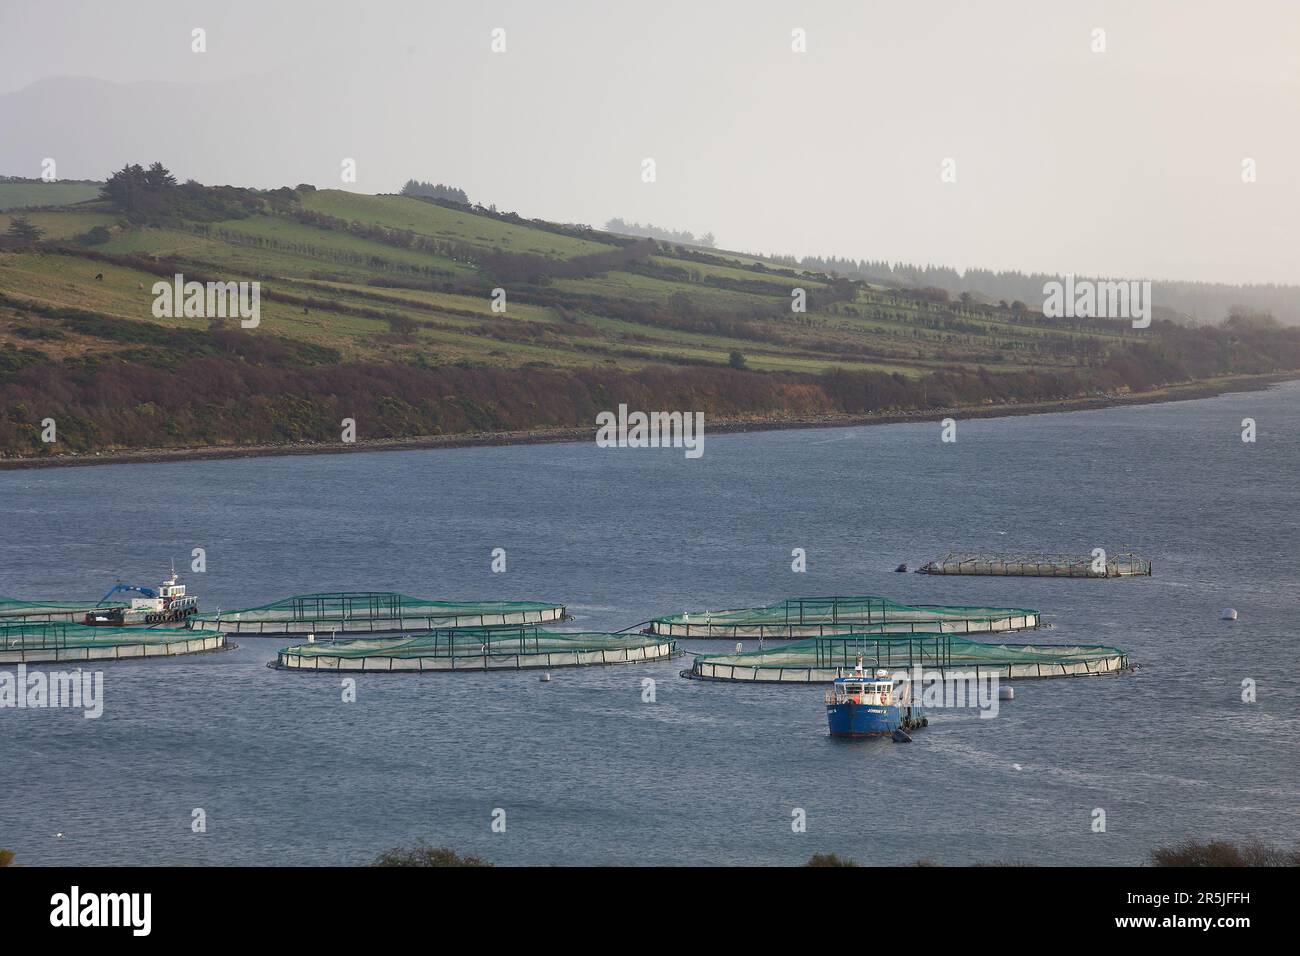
column 1228, row 614
column 740, row 648
column 546, row 678
column 311, row 638
column 1006, row 693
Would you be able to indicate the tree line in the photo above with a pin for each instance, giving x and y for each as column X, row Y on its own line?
column 651, row 231
column 415, row 187
column 1202, row 302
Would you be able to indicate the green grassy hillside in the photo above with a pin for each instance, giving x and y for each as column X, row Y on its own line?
column 381, row 306
column 18, row 195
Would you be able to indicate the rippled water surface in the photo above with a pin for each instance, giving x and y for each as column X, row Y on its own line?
column 708, row 773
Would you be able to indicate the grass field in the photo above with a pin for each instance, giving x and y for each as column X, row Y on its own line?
column 400, row 212
column 20, row 195
column 683, row 311
column 64, row 224
column 387, row 281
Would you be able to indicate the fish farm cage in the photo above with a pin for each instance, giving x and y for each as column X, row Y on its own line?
column 821, row 660
column 73, row 612
column 55, row 641
column 476, row 649
column 1123, row 564
column 820, row 617
column 375, row 612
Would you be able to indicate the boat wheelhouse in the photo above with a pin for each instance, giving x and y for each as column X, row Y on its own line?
column 866, row 705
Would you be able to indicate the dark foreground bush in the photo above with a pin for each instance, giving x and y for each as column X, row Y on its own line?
column 6, row 857
column 422, row 854
column 1222, row 853
column 829, row 859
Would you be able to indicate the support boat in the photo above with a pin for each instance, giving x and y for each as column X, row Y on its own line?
column 169, row 603
column 862, row 705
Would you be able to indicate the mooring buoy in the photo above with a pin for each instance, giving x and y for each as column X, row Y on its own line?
column 1006, row 693
column 1228, row 614
column 546, row 678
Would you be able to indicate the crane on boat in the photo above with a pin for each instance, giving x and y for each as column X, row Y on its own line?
column 119, row 586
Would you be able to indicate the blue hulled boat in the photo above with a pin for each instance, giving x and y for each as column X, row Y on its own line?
column 866, row 706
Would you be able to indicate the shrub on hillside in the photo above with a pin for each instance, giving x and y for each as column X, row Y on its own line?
column 1221, row 853
column 422, row 854
column 23, row 229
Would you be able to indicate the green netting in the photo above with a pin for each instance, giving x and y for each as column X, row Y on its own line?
column 54, row 635
column 12, row 608
column 348, row 605
column 476, row 642
column 378, row 610
column 801, row 617
column 938, row 650
column 819, row 659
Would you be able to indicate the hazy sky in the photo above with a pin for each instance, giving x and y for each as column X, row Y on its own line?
column 1127, row 162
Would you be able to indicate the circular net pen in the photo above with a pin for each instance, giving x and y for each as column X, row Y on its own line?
column 821, row 660
column 1123, row 564
column 477, row 649
column 821, row 617
column 52, row 642
column 376, row 612
column 73, row 612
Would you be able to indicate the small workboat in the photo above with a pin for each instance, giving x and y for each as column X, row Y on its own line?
column 862, row 705
column 166, row 604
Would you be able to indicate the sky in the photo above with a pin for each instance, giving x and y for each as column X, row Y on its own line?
column 1124, row 162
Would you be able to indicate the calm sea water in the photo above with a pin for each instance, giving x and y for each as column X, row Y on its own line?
column 709, row 773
